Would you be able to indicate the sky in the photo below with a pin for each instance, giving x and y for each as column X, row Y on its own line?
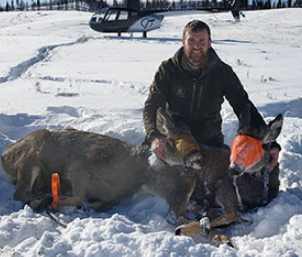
column 57, row 73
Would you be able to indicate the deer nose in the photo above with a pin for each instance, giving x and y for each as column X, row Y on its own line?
column 194, row 161
column 236, row 169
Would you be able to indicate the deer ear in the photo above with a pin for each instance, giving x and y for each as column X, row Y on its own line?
column 164, row 123
column 245, row 117
column 273, row 129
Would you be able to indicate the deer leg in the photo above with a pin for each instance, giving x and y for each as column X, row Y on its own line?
column 191, row 228
column 78, row 184
column 227, row 218
column 225, row 197
column 71, row 201
column 203, row 227
column 97, row 205
column 175, row 187
column 184, row 191
column 218, row 238
column 32, row 188
column 177, row 213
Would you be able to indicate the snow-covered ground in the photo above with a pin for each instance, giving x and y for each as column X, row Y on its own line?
column 55, row 72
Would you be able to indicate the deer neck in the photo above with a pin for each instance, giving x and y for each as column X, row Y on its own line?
column 140, row 155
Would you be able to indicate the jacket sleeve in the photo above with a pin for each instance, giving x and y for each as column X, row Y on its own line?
column 158, row 95
column 238, row 97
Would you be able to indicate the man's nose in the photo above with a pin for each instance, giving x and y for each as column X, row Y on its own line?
column 196, row 45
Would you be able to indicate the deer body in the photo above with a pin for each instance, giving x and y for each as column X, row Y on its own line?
column 246, row 187
column 92, row 167
column 103, row 171
column 214, row 188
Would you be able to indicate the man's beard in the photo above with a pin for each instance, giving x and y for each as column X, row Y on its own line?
column 196, row 60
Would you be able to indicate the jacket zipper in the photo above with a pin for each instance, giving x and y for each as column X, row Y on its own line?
column 192, row 102
column 199, row 97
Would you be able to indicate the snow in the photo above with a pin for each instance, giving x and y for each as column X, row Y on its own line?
column 55, row 72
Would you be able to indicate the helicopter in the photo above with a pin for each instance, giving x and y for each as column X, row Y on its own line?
column 132, row 19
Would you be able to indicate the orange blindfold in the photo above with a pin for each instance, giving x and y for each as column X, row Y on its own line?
column 246, row 151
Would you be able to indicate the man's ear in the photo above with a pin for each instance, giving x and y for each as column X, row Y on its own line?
column 183, row 41
column 210, row 43
column 183, row 38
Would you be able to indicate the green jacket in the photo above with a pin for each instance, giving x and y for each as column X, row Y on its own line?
column 196, row 101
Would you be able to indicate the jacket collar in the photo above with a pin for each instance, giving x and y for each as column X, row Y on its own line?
column 214, row 60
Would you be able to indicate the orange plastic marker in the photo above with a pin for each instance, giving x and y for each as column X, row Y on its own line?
column 55, row 188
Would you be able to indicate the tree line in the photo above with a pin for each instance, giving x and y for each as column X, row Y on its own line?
column 92, row 5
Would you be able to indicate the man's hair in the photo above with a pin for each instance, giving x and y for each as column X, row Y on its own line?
column 195, row 26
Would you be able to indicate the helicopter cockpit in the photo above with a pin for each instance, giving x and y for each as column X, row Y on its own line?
column 99, row 16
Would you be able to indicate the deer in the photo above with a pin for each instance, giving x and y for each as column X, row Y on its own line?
column 103, row 171
column 95, row 168
column 242, row 187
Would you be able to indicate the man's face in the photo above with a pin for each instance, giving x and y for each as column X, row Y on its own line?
column 196, row 46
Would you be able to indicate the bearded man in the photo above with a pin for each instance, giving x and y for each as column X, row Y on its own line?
column 191, row 86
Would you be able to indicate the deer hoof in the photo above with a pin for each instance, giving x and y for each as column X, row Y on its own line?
column 191, row 228
column 177, row 231
column 222, row 239
column 205, row 226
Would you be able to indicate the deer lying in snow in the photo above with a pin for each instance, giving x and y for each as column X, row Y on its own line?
column 95, row 168
column 103, row 170
column 243, row 186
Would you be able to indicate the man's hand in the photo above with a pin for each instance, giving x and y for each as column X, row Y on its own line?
column 274, row 155
column 159, row 148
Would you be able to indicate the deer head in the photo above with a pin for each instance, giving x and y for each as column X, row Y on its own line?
column 182, row 148
column 250, row 148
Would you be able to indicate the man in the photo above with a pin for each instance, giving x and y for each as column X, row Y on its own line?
column 191, row 86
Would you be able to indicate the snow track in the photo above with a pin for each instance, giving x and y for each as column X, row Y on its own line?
column 43, row 54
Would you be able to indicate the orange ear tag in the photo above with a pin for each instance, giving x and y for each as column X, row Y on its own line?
column 56, row 190
column 246, row 151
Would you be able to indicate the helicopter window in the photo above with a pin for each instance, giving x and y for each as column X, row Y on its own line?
column 133, row 14
column 111, row 15
column 123, row 15
column 97, row 17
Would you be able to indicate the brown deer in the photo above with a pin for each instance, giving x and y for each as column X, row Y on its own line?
column 243, row 187
column 104, row 170
column 95, row 168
